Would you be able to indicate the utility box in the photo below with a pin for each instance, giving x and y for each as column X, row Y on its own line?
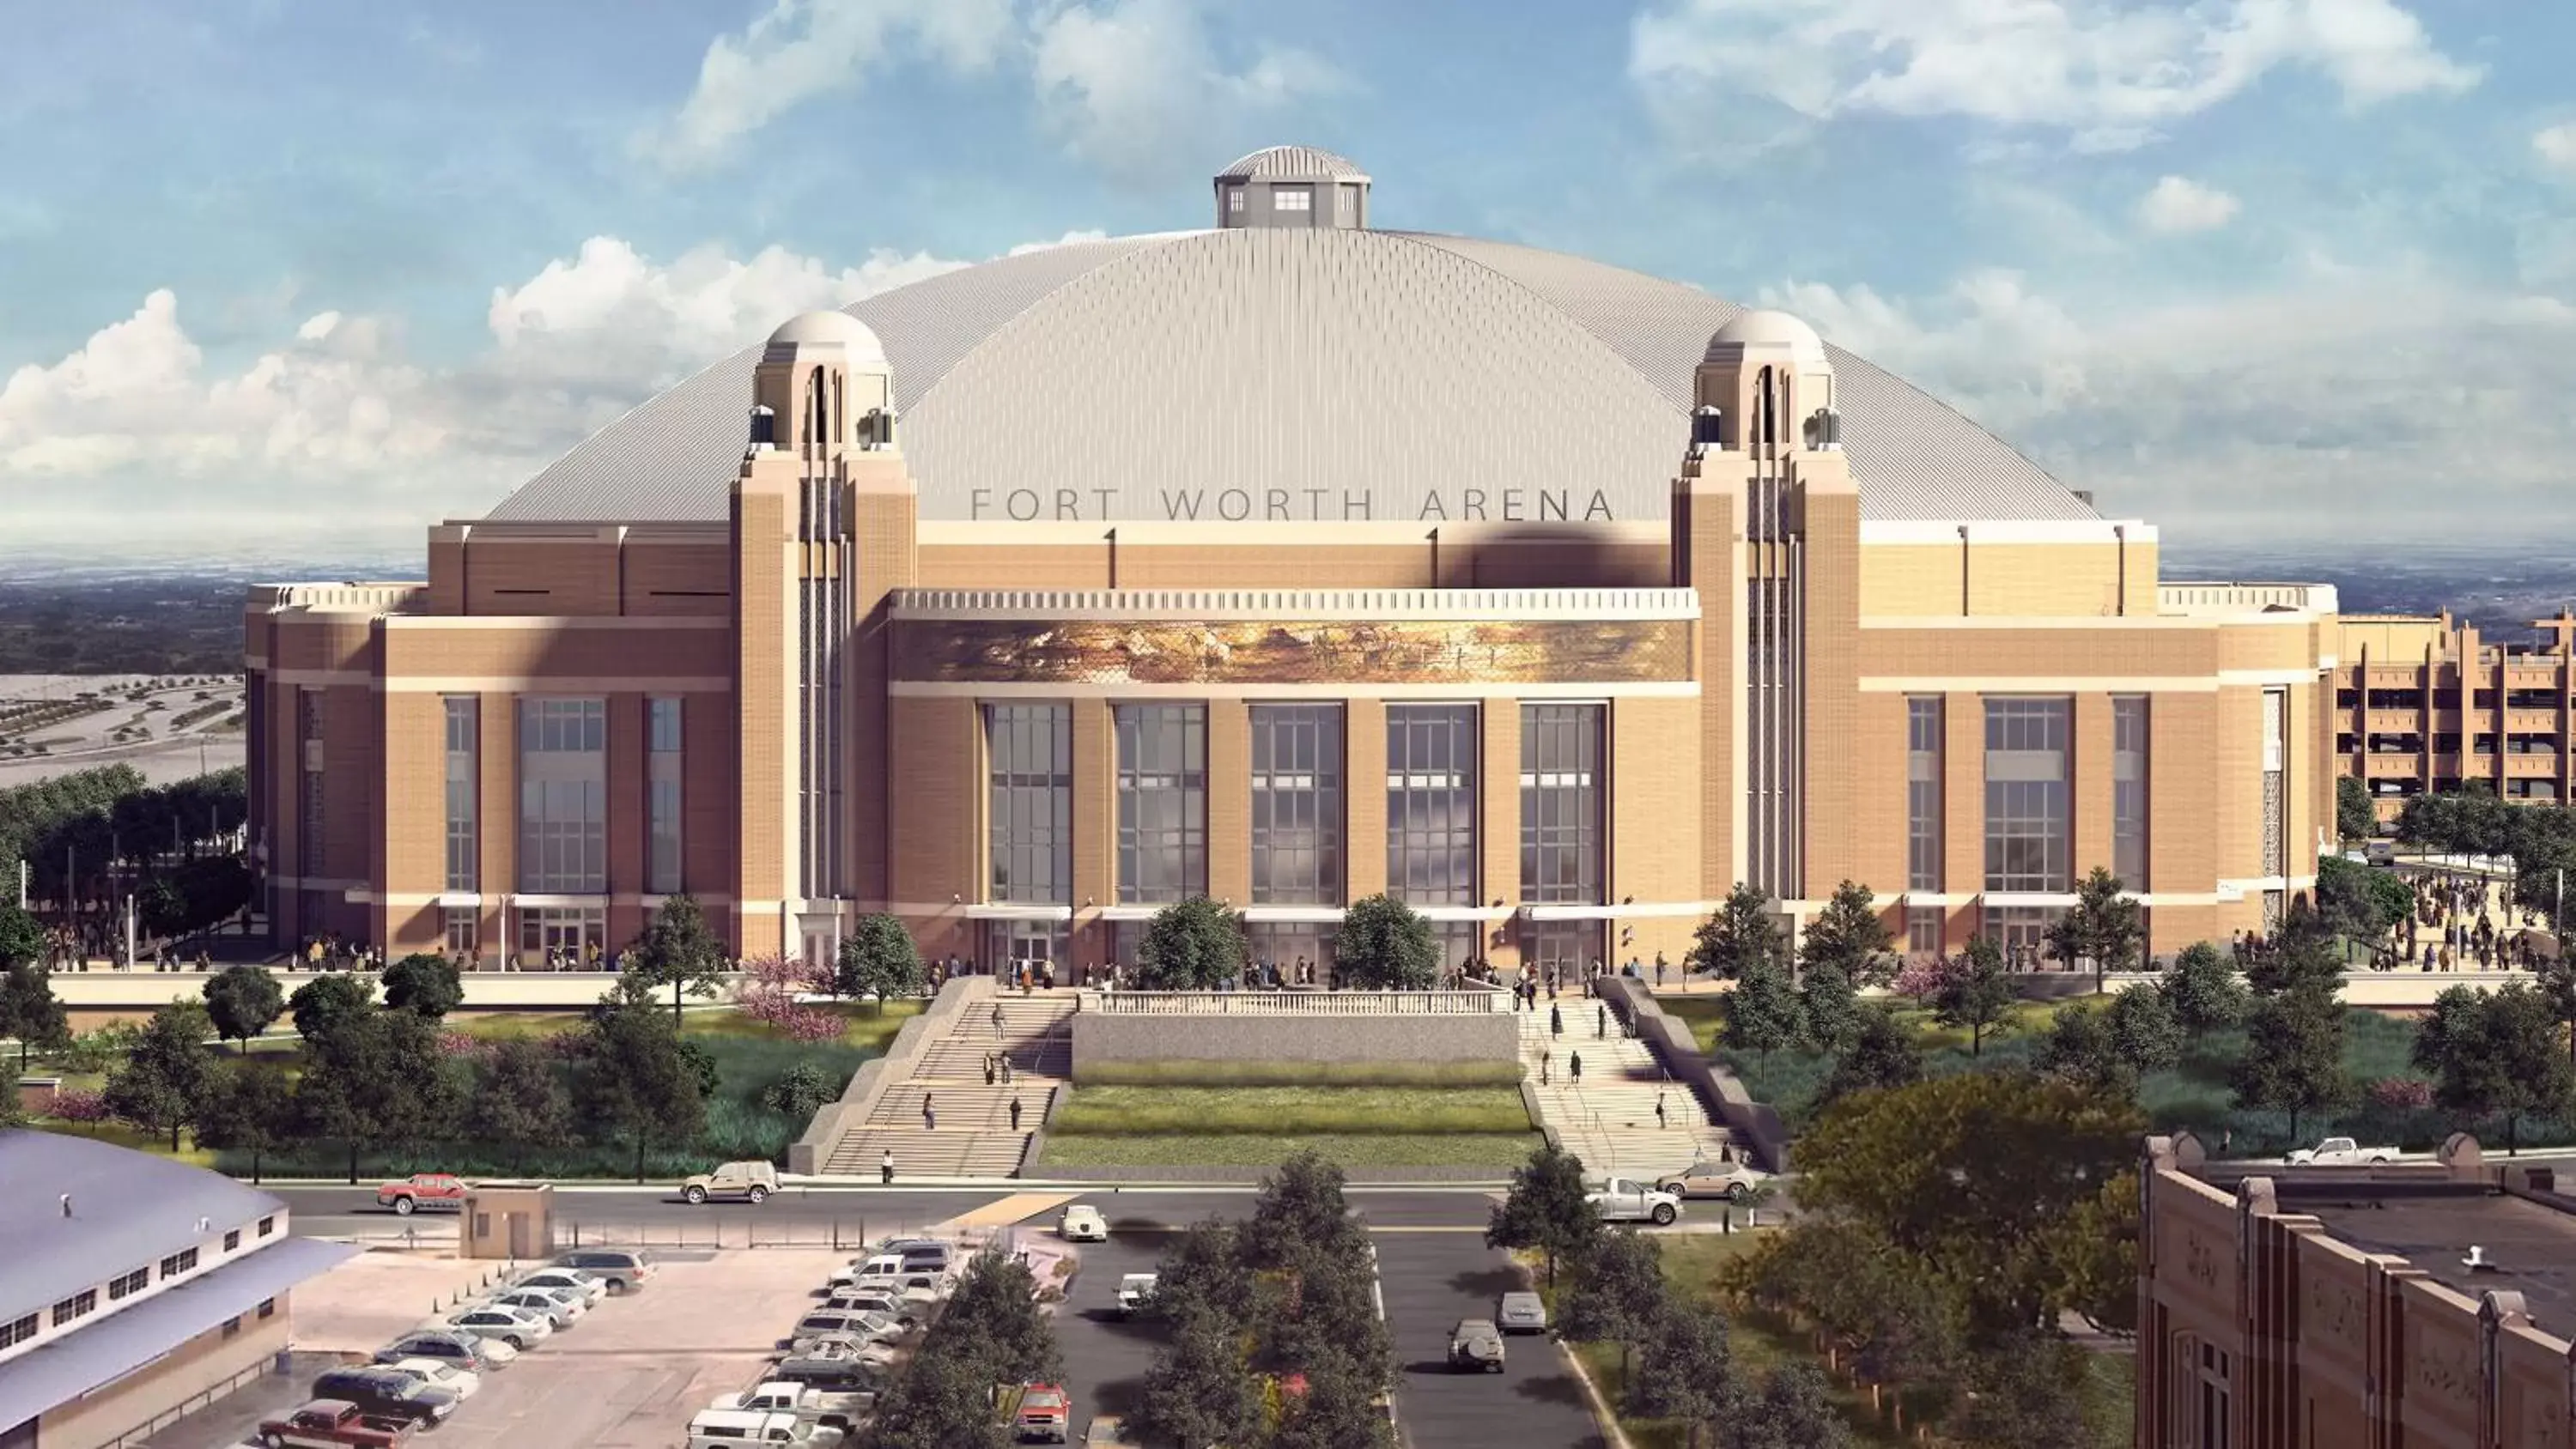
column 514, row 1220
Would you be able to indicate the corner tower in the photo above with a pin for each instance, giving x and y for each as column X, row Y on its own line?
column 1766, row 526
column 823, row 515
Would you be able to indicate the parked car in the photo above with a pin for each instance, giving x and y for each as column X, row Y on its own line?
column 1045, row 1417
column 907, row 1308
column 1082, row 1223
column 437, row 1373
column 1520, row 1313
column 333, row 1424
column 376, row 1389
column 726, row 1428
column 1476, row 1344
column 1136, row 1292
column 591, row 1289
column 436, row 1190
column 926, row 1256
column 876, row 1270
column 516, row 1327
column 1703, row 1178
column 825, row 1323
column 845, row 1364
column 1625, row 1200
column 560, row 1309
column 1107, row 1433
column 448, row 1345
column 750, row 1182
column 2340, row 1152
column 833, row 1409
column 623, row 1269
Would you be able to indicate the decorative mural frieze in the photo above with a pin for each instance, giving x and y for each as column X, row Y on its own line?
column 2448, row 1373
column 2334, row 1312
column 1113, row 652
column 2200, row 1261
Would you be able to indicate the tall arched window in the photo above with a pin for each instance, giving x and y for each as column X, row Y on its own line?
column 818, row 421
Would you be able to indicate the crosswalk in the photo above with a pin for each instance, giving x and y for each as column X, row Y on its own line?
column 1607, row 1117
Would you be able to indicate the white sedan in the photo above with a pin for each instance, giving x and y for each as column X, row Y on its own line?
column 559, row 1308
column 437, row 1373
column 573, row 1280
column 515, row 1327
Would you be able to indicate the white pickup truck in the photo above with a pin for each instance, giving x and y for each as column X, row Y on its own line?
column 1624, row 1200
column 2340, row 1152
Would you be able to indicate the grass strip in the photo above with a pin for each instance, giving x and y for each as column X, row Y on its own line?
column 1205, row 1072
column 1500, row 1151
column 1290, row 1111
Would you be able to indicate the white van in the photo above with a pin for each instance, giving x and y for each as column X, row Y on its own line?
column 732, row 1428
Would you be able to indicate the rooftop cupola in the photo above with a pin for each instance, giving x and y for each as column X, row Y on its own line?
column 1295, row 186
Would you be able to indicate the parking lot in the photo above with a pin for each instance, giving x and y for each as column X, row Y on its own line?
column 627, row 1376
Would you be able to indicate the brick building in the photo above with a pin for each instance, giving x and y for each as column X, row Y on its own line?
column 2426, row 704
column 1288, row 560
column 2425, row 1305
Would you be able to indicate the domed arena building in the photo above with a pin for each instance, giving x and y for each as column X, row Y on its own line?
column 1286, row 561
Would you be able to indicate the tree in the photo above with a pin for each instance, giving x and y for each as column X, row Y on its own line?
column 1763, row 1012
column 244, row 1001
column 677, row 950
column 1849, row 935
column 1977, row 994
column 995, row 1318
column 2104, row 926
column 1383, row 942
column 1962, row 1173
column 377, row 1079
column 1545, row 1210
column 2495, row 1056
column 2303, row 955
column 1338, row 1410
column 2143, row 1031
column 1828, row 1007
column 1191, row 945
column 944, row 1401
column 2358, row 901
column 1687, row 1370
column 2094, row 1256
column 1618, row 1297
column 424, row 984
column 325, row 1003
column 1203, row 1273
column 799, row 1091
column 2356, row 817
column 167, row 1079
column 2554, row 976
column 249, row 1110
column 1738, row 934
column 30, row 1012
column 2078, row 1048
column 637, row 1083
column 2028, row 1391
column 878, row 959
column 2293, row 1059
column 1794, row 1410
column 1883, row 1054
column 1300, row 1203
column 2203, row 991
column 1197, row 1392
column 519, row 1101
column 22, row 938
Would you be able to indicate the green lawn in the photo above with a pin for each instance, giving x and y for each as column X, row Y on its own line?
column 1226, row 1072
column 867, row 1027
column 1290, row 1111
column 1764, row 1341
column 1500, row 1151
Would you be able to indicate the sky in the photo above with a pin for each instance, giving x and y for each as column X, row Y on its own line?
column 285, row 274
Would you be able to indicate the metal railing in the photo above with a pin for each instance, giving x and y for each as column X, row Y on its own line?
column 1477, row 1002
column 202, row 1398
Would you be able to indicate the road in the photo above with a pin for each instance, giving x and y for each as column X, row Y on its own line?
column 1432, row 1261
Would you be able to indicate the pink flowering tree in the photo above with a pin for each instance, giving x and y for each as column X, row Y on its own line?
column 75, row 1105
column 2401, row 1093
column 771, row 992
column 1921, row 979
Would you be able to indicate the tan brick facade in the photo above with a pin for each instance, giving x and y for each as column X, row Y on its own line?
column 1229, row 616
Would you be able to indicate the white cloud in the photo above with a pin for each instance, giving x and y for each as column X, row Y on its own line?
column 1135, row 85
column 2109, row 74
column 337, row 424
column 2556, row 148
column 2180, row 204
column 2342, row 393
column 801, row 49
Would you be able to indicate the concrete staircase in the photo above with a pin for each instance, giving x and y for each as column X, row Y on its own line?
column 972, row 1135
column 1609, row 1119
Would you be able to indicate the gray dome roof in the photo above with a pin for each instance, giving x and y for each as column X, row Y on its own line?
column 1140, row 372
column 1293, row 163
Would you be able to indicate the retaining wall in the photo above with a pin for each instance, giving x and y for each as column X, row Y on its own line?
column 1110, row 1037
column 1754, row 1123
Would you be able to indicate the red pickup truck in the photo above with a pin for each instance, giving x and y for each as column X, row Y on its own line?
column 1046, row 1415
column 437, row 1190
column 333, row 1424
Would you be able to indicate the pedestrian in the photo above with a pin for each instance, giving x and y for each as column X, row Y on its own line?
column 1601, row 1020
column 929, row 1118
column 1659, row 1110
column 1546, row 1061
column 1015, row 1111
column 1555, row 1021
column 1659, row 970
column 997, row 1018
column 2226, row 1141
column 990, row 1071
column 885, row 1168
column 1574, row 1069
column 1006, row 1069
